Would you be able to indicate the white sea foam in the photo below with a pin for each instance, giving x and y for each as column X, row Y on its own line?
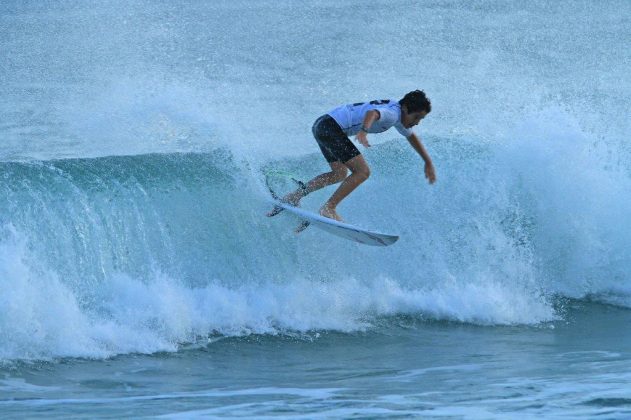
column 43, row 318
column 576, row 192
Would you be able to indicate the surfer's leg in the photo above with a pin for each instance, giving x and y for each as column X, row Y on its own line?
column 336, row 148
column 359, row 173
column 338, row 173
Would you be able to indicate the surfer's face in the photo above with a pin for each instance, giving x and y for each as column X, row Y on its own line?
column 411, row 119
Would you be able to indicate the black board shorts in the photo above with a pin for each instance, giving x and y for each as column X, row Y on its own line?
column 333, row 142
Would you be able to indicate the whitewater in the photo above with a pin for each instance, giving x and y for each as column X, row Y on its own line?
column 140, row 276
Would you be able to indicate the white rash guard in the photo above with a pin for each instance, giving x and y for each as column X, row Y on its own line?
column 351, row 117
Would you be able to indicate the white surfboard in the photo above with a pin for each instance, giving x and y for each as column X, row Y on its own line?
column 343, row 230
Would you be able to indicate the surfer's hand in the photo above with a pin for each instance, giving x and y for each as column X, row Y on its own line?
column 362, row 138
column 430, row 174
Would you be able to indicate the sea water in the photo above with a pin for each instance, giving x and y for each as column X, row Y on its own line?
column 140, row 277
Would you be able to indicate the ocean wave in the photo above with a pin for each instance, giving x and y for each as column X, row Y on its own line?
column 146, row 253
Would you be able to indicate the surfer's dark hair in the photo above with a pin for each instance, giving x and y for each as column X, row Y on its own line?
column 416, row 101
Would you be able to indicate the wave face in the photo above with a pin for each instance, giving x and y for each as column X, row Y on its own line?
column 143, row 253
column 133, row 139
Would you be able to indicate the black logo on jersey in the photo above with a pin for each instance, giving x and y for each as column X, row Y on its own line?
column 377, row 102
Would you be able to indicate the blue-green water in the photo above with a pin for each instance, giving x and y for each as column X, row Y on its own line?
column 140, row 277
column 404, row 366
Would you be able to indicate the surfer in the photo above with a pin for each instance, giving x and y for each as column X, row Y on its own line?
column 332, row 132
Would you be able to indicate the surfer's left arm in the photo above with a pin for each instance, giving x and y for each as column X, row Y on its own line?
column 415, row 142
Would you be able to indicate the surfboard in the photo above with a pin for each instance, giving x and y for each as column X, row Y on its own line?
column 343, row 230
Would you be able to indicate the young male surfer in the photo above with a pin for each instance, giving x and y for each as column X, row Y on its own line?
column 332, row 130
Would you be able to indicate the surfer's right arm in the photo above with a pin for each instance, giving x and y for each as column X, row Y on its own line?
column 370, row 117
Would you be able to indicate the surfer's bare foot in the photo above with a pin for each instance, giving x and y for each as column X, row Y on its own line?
column 291, row 198
column 328, row 211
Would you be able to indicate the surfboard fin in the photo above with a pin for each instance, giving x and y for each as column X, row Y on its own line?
column 274, row 211
column 302, row 226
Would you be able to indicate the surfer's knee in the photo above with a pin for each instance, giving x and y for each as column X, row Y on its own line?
column 340, row 174
column 362, row 173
